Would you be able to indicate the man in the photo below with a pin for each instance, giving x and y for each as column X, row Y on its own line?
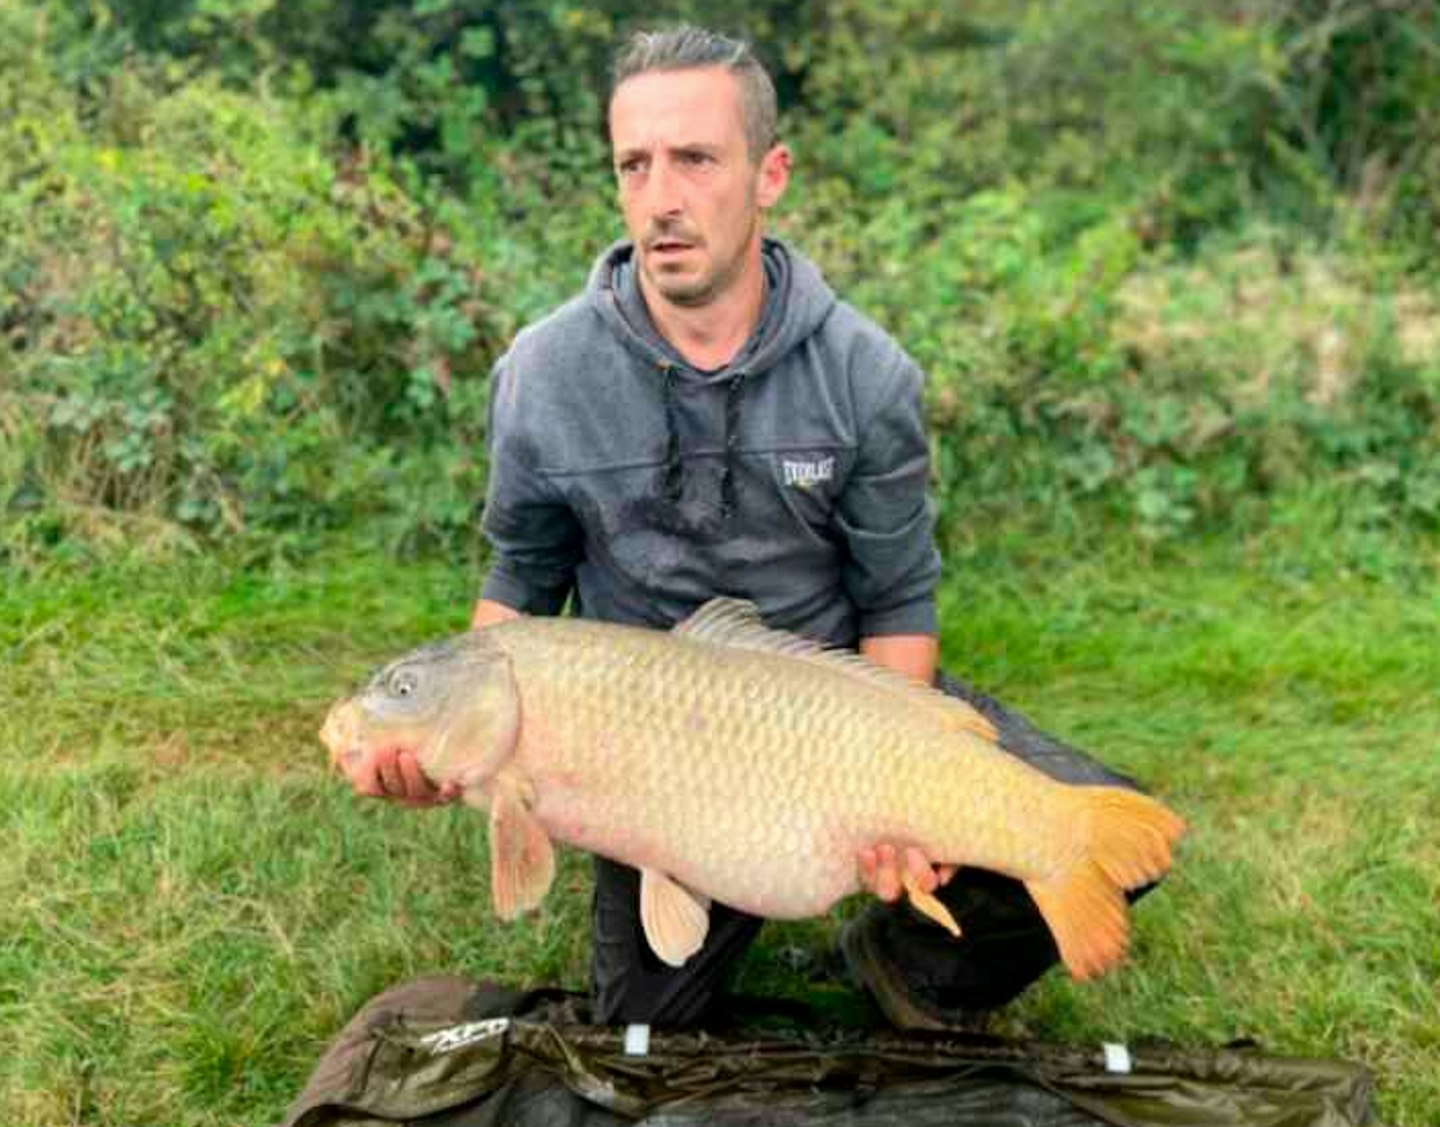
column 706, row 419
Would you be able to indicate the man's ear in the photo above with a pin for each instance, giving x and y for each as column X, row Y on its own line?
column 774, row 174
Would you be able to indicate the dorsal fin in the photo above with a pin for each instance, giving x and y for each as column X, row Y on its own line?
column 737, row 623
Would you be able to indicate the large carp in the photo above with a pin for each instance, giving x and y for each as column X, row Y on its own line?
column 729, row 761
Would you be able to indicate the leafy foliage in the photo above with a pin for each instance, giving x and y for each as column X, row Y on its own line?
column 1166, row 261
column 219, row 327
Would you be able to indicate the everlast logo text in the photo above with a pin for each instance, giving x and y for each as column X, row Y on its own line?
column 803, row 475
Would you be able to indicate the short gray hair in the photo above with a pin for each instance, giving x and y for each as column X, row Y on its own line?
column 690, row 48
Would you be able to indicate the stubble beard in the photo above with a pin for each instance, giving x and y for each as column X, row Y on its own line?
column 692, row 293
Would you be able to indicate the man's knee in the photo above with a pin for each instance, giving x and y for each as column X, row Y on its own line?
column 628, row 983
column 1022, row 739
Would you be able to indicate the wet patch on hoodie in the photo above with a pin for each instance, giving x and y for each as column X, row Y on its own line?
column 638, row 550
column 666, row 541
column 693, row 520
column 524, row 450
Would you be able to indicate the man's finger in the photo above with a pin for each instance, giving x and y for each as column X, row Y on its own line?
column 364, row 779
column 865, row 863
column 887, row 873
column 920, row 869
column 417, row 785
column 392, row 783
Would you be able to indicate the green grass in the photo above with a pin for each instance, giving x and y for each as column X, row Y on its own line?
column 195, row 905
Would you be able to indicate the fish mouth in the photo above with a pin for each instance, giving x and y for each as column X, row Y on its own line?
column 341, row 733
column 349, row 733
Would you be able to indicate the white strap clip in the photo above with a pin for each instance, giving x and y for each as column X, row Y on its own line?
column 637, row 1040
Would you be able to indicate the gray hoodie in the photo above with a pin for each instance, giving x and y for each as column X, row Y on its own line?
column 795, row 476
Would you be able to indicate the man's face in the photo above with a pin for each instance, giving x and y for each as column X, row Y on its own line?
column 692, row 196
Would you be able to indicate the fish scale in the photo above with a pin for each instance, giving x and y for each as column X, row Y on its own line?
column 735, row 763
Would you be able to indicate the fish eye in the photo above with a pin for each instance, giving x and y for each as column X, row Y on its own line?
column 403, row 683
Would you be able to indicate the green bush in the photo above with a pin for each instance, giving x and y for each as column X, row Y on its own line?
column 1193, row 114
column 1003, row 185
column 1162, row 262
column 1076, row 367
column 211, row 323
column 439, row 80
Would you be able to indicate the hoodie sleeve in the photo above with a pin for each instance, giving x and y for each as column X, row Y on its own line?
column 535, row 539
column 886, row 517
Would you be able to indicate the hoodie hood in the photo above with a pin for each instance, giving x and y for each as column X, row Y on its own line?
column 797, row 302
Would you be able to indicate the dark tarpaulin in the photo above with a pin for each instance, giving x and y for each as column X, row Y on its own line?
column 449, row 1052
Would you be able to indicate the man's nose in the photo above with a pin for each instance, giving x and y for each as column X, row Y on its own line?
column 664, row 196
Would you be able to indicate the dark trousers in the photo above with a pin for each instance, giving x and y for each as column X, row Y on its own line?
column 1006, row 944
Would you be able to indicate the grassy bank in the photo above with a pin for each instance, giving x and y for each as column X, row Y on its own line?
column 195, row 905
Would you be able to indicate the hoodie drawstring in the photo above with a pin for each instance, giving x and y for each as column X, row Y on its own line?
column 732, row 441
column 674, row 472
column 674, row 482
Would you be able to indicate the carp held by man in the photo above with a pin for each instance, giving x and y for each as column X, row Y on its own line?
column 732, row 762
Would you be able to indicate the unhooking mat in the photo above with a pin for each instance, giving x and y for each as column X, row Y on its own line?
column 449, row 1052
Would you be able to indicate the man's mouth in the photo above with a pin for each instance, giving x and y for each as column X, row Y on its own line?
column 670, row 246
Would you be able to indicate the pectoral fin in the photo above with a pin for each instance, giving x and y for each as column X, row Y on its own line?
column 522, row 860
column 928, row 904
column 676, row 920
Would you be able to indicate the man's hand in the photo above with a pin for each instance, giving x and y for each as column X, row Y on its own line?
column 394, row 773
column 913, row 655
column 488, row 612
column 881, row 867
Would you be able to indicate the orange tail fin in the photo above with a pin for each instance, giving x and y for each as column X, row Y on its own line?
column 1129, row 842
